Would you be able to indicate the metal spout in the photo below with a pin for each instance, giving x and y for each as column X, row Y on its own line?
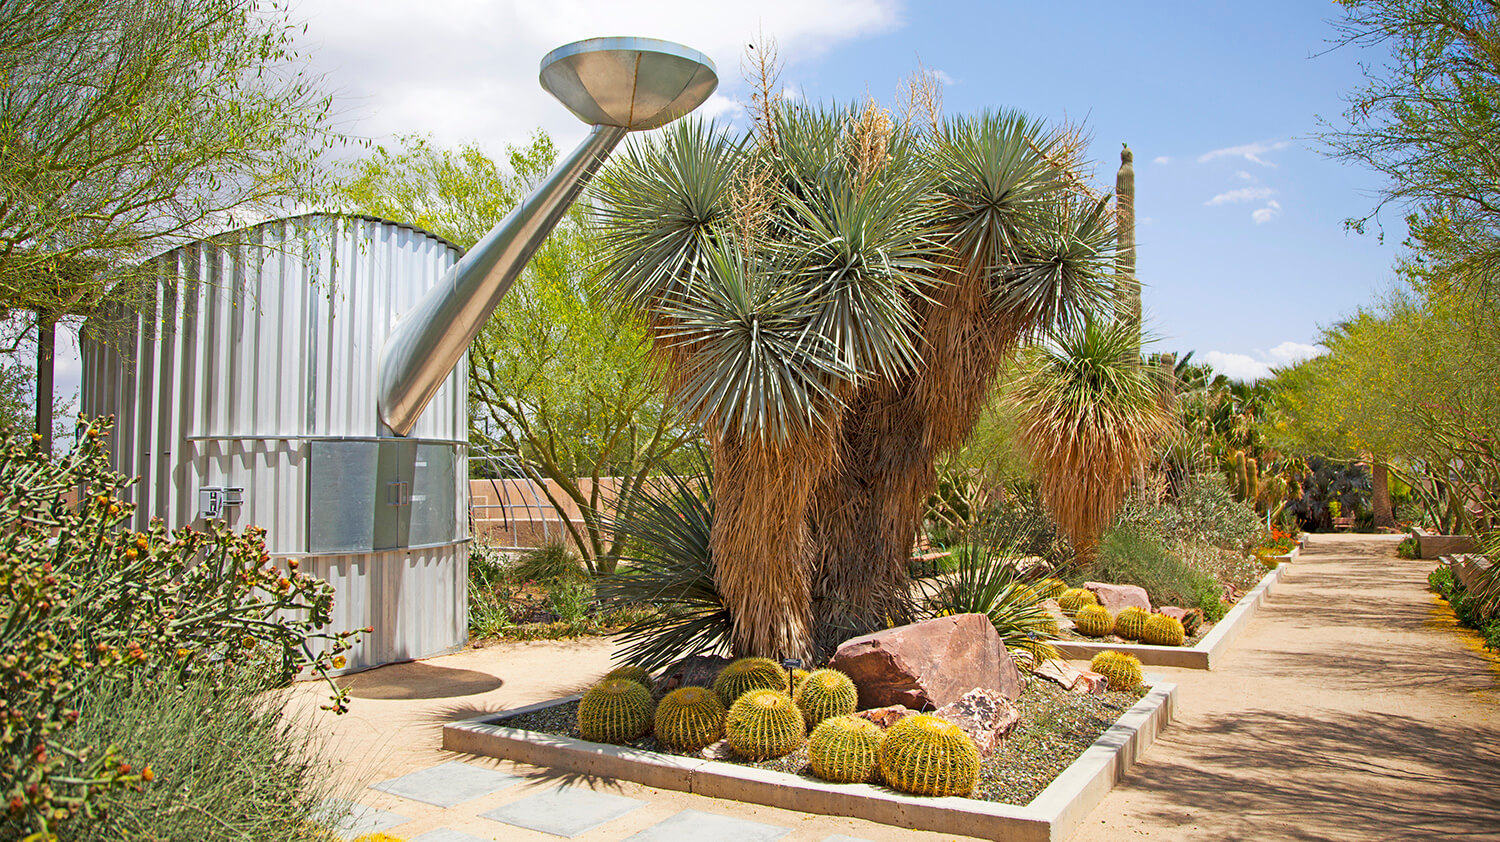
column 617, row 84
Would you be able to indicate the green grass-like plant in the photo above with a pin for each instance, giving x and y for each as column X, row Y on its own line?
column 746, row 674
column 615, row 711
column 845, row 749
column 1130, row 623
column 986, row 582
column 689, row 718
column 1123, row 672
column 826, row 693
column 1094, row 621
column 925, row 755
column 764, row 724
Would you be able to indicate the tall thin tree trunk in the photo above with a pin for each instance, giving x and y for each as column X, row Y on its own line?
column 1380, row 495
column 46, row 364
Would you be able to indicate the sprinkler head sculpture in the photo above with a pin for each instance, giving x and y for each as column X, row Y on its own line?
column 617, row 85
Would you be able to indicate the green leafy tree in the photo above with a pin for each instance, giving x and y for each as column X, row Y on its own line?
column 127, row 127
column 558, row 378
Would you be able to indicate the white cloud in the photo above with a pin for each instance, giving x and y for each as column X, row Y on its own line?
column 1161, row 159
column 1253, row 152
column 1247, row 367
column 1241, row 174
column 1242, row 194
column 1267, row 213
column 1145, row 220
column 466, row 70
column 944, row 77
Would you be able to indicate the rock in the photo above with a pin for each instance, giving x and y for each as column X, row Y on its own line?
column 717, row 751
column 887, row 716
column 693, row 671
column 985, row 715
column 1064, row 622
column 1172, row 611
column 1074, row 679
column 1230, row 594
column 929, row 664
column 1116, row 597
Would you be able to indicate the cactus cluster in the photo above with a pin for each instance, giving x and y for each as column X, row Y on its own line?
column 925, row 755
column 1130, row 623
column 1162, row 630
column 1073, row 599
column 615, row 711
column 764, row 723
column 746, row 674
column 1094, row 621
column 1051, row 588
column 845, row 749
column 826, row 693
column 1192, row 621
column 1123, row 672
column 1246, row 478
column 689, row 718
column 799, row 675
column 631, row 672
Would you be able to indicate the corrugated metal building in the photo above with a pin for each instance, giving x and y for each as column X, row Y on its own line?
column 255, row 367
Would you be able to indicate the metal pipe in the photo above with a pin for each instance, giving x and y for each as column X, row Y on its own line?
column 427, row 343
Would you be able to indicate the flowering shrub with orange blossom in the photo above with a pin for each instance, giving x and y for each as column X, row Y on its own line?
column 82, row 597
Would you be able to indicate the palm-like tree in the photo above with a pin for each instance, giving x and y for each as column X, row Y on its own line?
column 831, row 302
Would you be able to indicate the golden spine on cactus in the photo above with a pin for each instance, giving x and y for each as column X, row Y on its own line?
column 631, row 672
column 1073, row 599
column 1051, row 588
column 689, row 718
column 1162, row 630
column 1192, row 621
column 1123, row 672
column 1093, row 620
column 845, row 749
column 799, row 675
column 825, row 693
column 746, row 674
column 925, row 755
column 763, row 724
column 1130, row 623
column 615, row 711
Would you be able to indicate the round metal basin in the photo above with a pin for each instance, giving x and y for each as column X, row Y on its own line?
column 632, row 83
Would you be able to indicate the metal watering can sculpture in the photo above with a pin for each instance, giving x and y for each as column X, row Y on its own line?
column 616, row 85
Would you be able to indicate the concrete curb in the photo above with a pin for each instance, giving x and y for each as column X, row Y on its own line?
column 1207, row 651
column 1050, row 817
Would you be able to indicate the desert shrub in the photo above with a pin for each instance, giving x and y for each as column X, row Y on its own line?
column 570, row 600
column 1204, row 511
column 1129, row 556
column 1469, row 609
column 1408, row 548
column 489, row 592
column 551, row 562
column 1020, row 515
column 83, row 599
column 226, row 763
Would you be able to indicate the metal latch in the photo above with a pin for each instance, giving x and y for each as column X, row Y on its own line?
column 213, row 500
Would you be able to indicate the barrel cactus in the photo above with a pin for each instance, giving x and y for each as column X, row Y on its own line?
column 1094, row 621
column 1073, row 599
column 799, row 675
column 747, row 674
column 925, row 755
column 845, row 749
column 1162, row 630
column 1192, row 621
column 1123, row 672
column 1051, row 588
column 615, row 711
column 1130, row 623
column 825, row 693
column 631, row 672
column 689, row 718
column 763, row 724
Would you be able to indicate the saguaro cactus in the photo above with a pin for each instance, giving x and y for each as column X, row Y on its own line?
column 1128, row 288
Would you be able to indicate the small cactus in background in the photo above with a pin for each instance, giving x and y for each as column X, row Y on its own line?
column 1130, row 623
column 925, row 755
column 1093, row 620
column 1073, row 599
column 615, row 711
column 1123, row 672
column 631, row 672
column 845, row 749
column 825, row 693
column 746, row 674
column 690, row 718
column 764, row 723
column 1051, row 588
column 1162, row 630
column 1192, row 621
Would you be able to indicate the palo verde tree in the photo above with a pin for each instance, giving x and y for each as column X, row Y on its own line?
column 831, row 299
column 558, row 379
column 127, row 127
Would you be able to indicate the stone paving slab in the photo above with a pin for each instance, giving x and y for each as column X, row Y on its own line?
column 447, row 784
column 360, row 819
column 697, row 825
column 564, row 811
column 443, row 834
column 839, row 837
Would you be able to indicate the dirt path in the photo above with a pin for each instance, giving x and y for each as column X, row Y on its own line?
column 1352, row 708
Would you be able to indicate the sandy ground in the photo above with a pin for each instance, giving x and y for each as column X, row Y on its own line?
column 1352, row 708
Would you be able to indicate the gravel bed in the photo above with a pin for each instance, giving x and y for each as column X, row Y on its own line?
column 1056, row 726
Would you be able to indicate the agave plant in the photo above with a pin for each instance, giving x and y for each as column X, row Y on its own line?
column 987, row 581
column 1090, row 416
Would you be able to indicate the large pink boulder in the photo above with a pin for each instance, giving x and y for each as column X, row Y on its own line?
column 929, row 664
column 1115, row 597
column 985, row 715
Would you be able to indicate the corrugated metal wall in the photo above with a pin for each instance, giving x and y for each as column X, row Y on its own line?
column 253, row 346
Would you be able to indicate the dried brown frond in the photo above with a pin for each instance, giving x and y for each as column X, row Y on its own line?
column 761, row 68
column 920, row 99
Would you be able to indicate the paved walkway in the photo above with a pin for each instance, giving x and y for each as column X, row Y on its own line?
column 1352, row 708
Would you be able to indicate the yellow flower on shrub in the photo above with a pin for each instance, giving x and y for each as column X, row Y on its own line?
column 338, row 662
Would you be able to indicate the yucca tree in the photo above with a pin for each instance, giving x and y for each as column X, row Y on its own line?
column 1090, row 415
column 831, row 301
